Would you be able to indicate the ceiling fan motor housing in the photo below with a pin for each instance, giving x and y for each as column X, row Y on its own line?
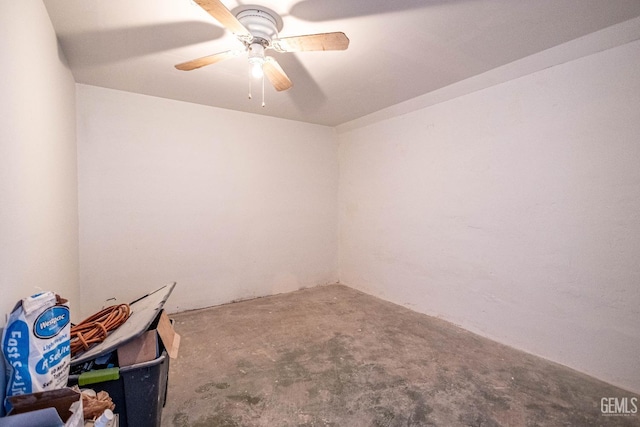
column 262, row 23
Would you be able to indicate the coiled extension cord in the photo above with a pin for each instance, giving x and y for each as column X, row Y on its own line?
column 95, row 329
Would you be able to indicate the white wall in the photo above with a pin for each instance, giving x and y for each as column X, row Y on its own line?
column 227, row 204
column 513, row 211
column 38, row 170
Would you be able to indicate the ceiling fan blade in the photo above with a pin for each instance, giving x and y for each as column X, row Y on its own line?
column 324, row 41
column 223, row 15
column 206, row 60
column 276, row 74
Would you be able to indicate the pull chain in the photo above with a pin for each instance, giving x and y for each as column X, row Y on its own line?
column 263, row 104
column 250, row 89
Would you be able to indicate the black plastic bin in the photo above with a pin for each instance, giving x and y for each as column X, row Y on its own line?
column 140, row 392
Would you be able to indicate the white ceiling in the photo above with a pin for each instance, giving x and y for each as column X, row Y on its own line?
column 399, row 49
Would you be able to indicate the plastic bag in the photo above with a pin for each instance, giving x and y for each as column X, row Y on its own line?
column 35, row 345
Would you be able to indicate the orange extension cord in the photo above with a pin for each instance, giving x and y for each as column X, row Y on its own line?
column 95, row 329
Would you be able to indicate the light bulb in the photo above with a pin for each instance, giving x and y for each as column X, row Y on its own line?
column 256, row 70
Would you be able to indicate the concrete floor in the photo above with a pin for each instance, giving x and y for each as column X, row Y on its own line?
column 332, row 356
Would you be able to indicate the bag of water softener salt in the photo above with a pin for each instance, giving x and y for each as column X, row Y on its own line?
column 36, row 345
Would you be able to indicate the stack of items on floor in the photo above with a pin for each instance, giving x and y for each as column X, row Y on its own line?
column 110, row 370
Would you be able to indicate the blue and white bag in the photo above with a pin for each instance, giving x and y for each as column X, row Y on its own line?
column 36, row 345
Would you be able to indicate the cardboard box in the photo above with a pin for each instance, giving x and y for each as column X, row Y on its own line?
column 168, row 335
column 141, row 349
column 146, row 347
column 54, row 408
column 47, row 417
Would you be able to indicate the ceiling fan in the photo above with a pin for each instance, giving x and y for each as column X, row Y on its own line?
column 257, row 28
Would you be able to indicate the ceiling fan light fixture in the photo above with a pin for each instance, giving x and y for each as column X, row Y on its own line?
column 256, row 59
column 256, row 69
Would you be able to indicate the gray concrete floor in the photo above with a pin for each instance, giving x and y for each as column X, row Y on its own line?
column 332, row 356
